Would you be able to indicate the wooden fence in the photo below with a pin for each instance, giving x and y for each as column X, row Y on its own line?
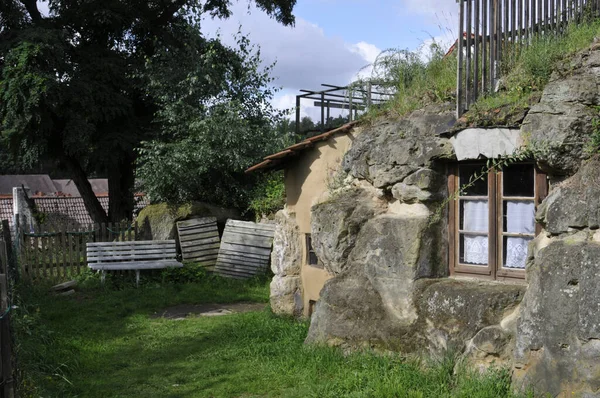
column 6, row 354
column 58, row 252
column 493, row 31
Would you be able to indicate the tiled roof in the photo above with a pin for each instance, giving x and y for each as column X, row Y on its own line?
column 39, row 184
column 68, row 187
column 278, row 158
column 65, row 208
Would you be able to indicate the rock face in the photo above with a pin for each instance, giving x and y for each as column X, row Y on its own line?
column 336, row 223
column 558, row 333
column 388, row 152
column 286, row 261
column 561, row 124
column 158, row 221
column 442, row 314
column 574, row 203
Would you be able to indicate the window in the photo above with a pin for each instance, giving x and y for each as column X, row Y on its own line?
column 311, row 256
column 492, row 219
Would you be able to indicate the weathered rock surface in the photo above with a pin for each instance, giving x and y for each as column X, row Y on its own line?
column 337, row 222
column 561, row 124
column 575, row 203
column 446, row 314
column 455, row 311
column 286, row 295
column 286, row 257
column 388, row 152
column 558, row 333
column 286, row 262
column 158, row 221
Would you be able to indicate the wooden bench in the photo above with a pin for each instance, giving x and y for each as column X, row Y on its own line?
column 134, row 255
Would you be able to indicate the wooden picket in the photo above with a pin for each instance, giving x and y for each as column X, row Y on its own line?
column 59, row 252
column 492, row 32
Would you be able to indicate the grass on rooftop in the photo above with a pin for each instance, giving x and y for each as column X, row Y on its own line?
column 419, row 83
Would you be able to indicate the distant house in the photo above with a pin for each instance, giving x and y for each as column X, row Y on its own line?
column 59, row 199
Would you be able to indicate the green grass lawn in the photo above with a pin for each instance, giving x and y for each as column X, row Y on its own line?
column 104, row 343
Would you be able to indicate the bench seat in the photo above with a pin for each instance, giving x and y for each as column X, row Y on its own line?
column 131, row 265
column 134, row 255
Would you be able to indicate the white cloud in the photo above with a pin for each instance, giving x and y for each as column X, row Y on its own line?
column 43, row 7
column 306, row 56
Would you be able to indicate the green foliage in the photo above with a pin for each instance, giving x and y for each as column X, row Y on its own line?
column 269, row 195
column 416, row 82
column 530, row 70
column 212, row 139
column 86, row 85
column 593, row 145
column 104, row 343
column 189, row 273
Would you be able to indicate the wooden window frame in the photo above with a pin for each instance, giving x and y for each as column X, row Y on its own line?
column 494, row 269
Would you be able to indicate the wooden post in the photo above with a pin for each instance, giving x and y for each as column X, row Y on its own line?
column 477, row 45
column 468, row 66
column 459, row 70
column 64, row 247
column 484, row 46
column 297, row 116
column 492, row 29
column 322, row 112
column 5, row 341
column 11, row 255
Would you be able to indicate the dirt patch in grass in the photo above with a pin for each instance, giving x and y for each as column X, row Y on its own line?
column 183, row 311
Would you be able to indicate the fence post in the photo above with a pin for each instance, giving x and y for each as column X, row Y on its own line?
column 5, row 349
column 5, row 338
column 10, row 253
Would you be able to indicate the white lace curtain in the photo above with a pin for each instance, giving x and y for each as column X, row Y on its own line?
column 475, row 219
column 520, row 219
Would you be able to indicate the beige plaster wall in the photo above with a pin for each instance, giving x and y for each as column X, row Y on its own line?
column 307, row 179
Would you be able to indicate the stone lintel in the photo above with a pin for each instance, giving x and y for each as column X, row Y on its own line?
column 480, row 143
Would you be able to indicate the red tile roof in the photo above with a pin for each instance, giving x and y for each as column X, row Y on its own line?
column 67, row 208
column 277, row 159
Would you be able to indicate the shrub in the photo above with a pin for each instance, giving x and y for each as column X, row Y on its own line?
column 269, row 195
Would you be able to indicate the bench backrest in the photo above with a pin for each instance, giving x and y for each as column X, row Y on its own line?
column 145, row 250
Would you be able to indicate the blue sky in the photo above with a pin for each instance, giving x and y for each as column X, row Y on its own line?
column 384, row 23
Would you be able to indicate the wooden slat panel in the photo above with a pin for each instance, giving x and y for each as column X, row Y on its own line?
column 245, row 249
column 139, row 243
column 199, row 240
column 135, row 257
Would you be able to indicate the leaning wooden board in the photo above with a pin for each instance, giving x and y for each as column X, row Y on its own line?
column 245, row 249
column 199, row 241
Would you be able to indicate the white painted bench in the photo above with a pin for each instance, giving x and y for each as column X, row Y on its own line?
column 134, row 255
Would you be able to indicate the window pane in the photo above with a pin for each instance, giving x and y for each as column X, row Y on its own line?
column 478, row 187
column 519, row 217
column 519, row 180
column 515, row 252
column 474, row 249
column 474, row 215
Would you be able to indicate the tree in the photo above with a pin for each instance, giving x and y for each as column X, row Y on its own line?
column 91, row 81
column 216, row 136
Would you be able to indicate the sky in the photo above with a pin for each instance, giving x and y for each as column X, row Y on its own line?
column 333, row 40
